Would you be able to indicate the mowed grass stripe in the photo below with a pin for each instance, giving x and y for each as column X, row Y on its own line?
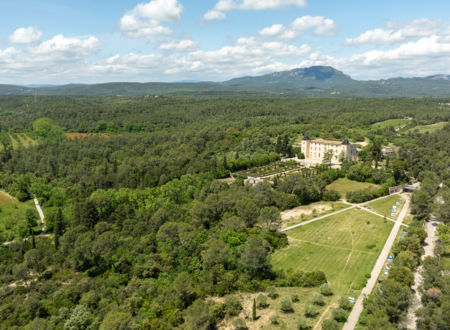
column 344, row 246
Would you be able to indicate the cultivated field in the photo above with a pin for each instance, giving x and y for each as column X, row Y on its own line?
column 384, row 206
column 20, row 140
column 344, row 246
column 344, row 185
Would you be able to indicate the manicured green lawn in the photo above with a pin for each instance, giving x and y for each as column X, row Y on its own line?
column 344, row 246
column 384, row 206
column 344, row 185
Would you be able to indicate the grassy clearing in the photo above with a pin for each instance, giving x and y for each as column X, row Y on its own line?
column 12, row 216
column 384, row 206
column 344, row 185
column 344, row 246
column 20, row 140
column 429, row 128
column 286, row 320
column 396, row 123
column 308, row 212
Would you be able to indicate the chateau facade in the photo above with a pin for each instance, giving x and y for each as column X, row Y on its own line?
column 316, row 149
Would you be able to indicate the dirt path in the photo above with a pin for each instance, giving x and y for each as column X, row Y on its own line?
column 41, row 215
column 315, row 219
column 357, row 309
column 430, row 228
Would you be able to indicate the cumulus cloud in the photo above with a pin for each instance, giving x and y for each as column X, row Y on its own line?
column 321, row 26
column 146, row 18
column 60, row 48
column 245, row 56
column 25, row 35
column 397, row 32
column 181, row 45
column 222, row 6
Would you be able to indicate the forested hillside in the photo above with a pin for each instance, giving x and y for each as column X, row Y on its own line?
column 142, row 234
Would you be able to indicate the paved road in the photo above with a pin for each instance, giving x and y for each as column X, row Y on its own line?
column 430, row 228
column 41, row 214
column 357, row 309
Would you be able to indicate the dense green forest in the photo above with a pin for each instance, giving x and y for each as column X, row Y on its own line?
column 141, row 231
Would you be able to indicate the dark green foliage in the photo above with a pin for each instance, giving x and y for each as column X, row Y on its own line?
column 339, row 314
column 331, row 325
column 254, row 309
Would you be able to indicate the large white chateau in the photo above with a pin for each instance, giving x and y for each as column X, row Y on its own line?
column 316, row 149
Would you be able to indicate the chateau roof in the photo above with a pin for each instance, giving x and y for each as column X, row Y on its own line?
column 305, row 138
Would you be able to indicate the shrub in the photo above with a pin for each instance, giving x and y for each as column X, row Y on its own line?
column 339, row 315
column 331, row 195
column 344, row 303
column 326, row 290
column 318, row 299
column 331, row 325
column 310, row 311
column 233, row 306
column 302, row 325
column 274, row 319
column 239, row 324
column 286, row 305
column 272, row 292
column 261, row 301
column 295, row 297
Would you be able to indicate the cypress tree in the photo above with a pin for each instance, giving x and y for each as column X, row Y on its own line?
column 254, row 309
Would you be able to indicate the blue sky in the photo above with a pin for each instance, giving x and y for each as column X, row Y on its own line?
column 55, row 42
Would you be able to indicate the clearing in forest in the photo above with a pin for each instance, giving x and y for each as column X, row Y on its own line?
column 396, row 123
column 428, row 128
column 344, row 246
column 344, row 185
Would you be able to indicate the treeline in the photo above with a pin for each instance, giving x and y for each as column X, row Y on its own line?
column 425, row 157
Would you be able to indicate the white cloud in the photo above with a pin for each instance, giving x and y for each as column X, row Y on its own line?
column 25, row 35
column 146, row 18
column 60, row 48
column 321, row 26
column 397, row 32
column 182, row 45
column 273, row 30
column 222, row 6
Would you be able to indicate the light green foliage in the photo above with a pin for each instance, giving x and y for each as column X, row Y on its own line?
column 47, row 130
column 79, row 319
column 286, row 305
column 326, row 290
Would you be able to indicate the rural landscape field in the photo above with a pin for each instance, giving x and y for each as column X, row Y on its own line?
column 224, row 164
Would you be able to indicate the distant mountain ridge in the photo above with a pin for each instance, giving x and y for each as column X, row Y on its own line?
column 314, row 81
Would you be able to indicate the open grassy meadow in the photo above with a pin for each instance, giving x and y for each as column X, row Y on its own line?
column 396, row 123
column 429, row 128
column 344, row 246
column 384, row 206
column 344, row 185
column 12, row 216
